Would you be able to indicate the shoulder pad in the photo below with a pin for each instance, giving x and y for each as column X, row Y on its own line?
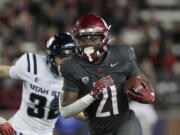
column 68, row 66
column 123, row 51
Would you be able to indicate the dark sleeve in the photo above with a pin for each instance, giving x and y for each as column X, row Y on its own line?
column 69, row 83
column 132, row 69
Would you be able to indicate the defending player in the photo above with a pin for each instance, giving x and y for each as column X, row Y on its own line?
column 42, row 83
column 95, row 81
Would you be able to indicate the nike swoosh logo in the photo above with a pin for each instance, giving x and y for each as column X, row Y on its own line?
column 112, row 65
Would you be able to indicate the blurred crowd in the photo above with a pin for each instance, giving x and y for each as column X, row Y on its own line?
column 25, row 26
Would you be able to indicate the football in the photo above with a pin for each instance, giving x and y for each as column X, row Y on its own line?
column 138, row 89
column 135, row 83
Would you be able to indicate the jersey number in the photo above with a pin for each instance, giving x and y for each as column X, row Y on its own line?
column 38, row 110
column 99, row 112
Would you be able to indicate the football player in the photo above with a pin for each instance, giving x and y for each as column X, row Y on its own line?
column 42, row 83
column 94, row 84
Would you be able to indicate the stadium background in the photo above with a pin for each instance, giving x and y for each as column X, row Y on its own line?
column 152, row 27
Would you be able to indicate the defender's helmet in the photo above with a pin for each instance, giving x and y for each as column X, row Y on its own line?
column 62, row 45
column 88, row 27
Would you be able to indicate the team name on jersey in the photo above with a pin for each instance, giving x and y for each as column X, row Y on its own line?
column 44, row 91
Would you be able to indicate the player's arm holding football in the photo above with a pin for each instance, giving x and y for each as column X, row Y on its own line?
column 137, row 87
column 139, row 90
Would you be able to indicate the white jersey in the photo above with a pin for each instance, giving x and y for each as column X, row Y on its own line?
column 40, row 86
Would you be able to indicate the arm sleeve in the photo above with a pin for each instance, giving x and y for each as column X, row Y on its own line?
column 76, row 107
column 17, row 71
column 132, row 69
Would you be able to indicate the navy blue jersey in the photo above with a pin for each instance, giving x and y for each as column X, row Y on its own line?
column 111, row 109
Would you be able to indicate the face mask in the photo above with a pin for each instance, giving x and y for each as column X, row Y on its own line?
column 89, row 51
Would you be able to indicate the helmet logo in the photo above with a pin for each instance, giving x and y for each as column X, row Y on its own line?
column 69, row 45
column 90, row 30
column 67, row 52
column 50, row 41
column 86, row 30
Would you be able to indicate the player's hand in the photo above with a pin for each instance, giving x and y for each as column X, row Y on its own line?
column 138, row 89
column 104, row 82
column 141, row 96
column 6, row 129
